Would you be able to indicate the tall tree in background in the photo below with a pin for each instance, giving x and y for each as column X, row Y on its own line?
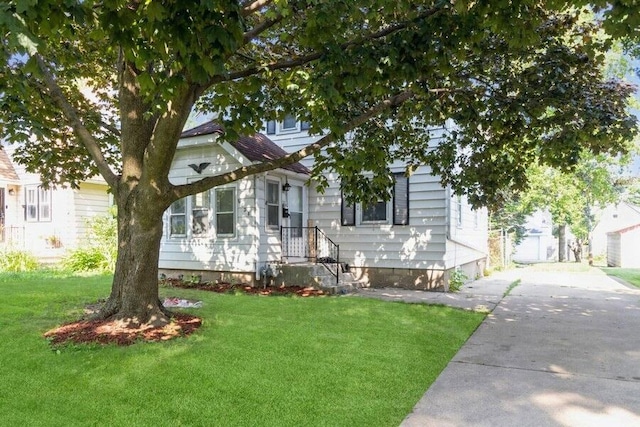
column 106, row 86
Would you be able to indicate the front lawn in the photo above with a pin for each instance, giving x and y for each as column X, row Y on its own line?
column 629, row 275
column 256, row 361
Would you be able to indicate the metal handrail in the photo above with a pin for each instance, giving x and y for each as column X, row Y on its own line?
column 314, row 245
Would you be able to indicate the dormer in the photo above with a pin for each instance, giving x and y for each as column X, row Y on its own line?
column 290, row 124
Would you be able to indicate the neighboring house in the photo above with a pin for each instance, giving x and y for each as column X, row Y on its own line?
column 241, row 230
column 623, row 249
column 538, row 243
column 45, row 221
column 613, row 217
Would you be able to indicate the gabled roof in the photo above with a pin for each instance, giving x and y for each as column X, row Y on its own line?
column 625, row 230
column 257, row 148
column 7, row 172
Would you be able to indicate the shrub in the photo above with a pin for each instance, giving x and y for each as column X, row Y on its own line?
column 18, row 261
column 87, row 258
column 456, row 280
column 101, row 250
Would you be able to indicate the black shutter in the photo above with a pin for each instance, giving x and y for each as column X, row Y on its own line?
column 401, row 199
column 271, row 127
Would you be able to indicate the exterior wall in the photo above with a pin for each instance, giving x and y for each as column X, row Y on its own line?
column 468, row 238
column 66, row 229
column 622, row 248
column 630, row 250
column 90, row 200
column 211, row 253
column 538, row 244
column 416, row 255
column 612, row 218
column 614, row 250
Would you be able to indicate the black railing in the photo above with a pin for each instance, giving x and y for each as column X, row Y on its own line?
column 313, row 245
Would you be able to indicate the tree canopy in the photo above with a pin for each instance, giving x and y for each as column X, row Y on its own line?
column 74, row 75
column 106, row 86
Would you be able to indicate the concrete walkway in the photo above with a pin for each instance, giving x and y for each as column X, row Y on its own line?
column 562, row 349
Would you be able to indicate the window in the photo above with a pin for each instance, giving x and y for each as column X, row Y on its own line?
column 200, row 209
column 378, row 212
column 375, row 212
column 225, row 211
column 273, row 205
column 271, row 127
column 289, row 123
column 178, row 218
column 305, row 126
column 37, row 204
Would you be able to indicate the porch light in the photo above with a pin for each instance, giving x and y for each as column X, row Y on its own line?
column 286, row 187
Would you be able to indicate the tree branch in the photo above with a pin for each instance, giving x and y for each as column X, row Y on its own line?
column 260, row 28
column 305, row 59
column 252, row 6
column 79, row 129
column 204, row 184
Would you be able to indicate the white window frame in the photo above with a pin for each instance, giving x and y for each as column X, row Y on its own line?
column 294, row 128
column 268, row 204
column 358, row 211
column 234, row 211
column 183, row 214
column 387, row 212
column 205, row 208
column 37, row 199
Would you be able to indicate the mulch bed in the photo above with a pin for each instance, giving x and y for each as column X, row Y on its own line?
column 257, row 290
column 120, row 333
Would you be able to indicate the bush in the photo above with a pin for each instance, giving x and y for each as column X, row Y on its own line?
column 18, row 261
column 456, row 280
column 101, row 251
column 87, row 258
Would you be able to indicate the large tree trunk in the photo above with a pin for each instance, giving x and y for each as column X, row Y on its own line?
column 562, row 242
column 134, row 292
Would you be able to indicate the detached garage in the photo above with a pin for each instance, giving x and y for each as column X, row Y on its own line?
column 623, row 249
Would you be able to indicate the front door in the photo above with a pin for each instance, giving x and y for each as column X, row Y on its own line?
column 297, row 244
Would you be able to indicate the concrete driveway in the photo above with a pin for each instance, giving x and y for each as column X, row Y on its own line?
column 562, row 349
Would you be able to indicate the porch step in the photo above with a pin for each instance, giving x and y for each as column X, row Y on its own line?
column 317, row 276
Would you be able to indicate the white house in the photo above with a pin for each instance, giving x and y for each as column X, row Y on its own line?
column 45, row 221
column 538, row 243
column 237, row 231
column 623, row 249
column 612, row 218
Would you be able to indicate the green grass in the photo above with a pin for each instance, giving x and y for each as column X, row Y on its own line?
column 629, row 275
column 267, row 361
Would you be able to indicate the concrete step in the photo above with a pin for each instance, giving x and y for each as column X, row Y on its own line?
column 317, row 276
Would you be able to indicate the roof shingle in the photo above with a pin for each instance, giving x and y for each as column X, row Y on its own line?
column 257, row 148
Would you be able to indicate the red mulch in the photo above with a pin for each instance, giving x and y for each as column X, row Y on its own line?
column 122, row 333
column 182, row 324
column 258, row 290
